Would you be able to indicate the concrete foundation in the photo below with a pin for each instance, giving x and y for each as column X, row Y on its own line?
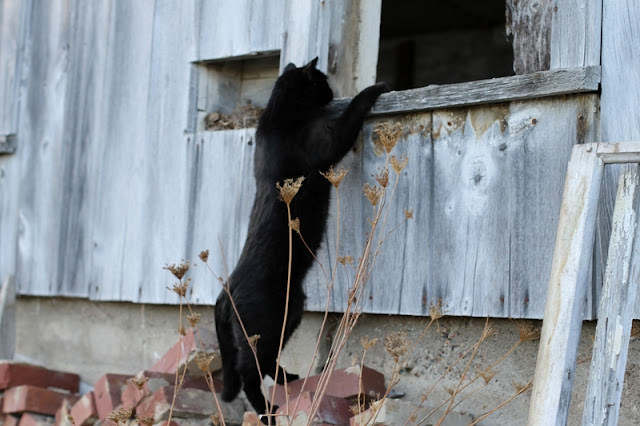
column 92, row 338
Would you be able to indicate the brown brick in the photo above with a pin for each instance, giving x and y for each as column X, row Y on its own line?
column 84, row 411
column 184, row 352
column 15, row 374
column 107, row 393
column 189, row 403
column 34, row 399
column 331, row 411
column 30, row 419
column 344, row 383
column 9, row 420
column 131, row 396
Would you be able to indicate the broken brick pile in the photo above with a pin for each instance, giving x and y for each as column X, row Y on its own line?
column 36, row 396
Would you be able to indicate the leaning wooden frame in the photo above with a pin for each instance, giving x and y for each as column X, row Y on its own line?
column 568, row 284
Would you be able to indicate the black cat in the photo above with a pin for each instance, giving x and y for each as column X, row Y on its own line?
column 297, row 136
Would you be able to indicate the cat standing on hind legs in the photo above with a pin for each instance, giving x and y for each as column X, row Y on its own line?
column 297, row 136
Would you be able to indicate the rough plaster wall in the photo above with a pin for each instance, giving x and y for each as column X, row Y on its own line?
column 95, row 338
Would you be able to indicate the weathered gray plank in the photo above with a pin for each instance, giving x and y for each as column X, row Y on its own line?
column 576, row 30
column 119, row 158
column 529, row 23
column 486, row 189
column 608, row 363
column 558, row 350
column 12, row 16
column 7, row 317
column 529, row 86
column 229, row 28
column 306, row 33
column 620, row 98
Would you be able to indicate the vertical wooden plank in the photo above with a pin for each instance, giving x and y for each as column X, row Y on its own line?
column 562, row 323
column 7, row 317
column 12, row 16
column 620, row 98
column 602, row 403
column 306, row 33
column 529, row 23
column 119, row 156
column 576, row 29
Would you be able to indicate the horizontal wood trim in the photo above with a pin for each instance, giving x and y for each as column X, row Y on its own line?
column 503, row 89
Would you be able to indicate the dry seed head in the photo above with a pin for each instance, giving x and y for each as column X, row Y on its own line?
column 527, row 330
column 121, row 415
column 295, row 224
column 383, row 177
column 139, row 381
column 408, row 214
column 215, row 419
column 396, row 344
column 182, row 331
column 368, row 344
column 203, row 360
column 204, row 255
column 487, row 375
column 450, row 391
column 488, row 331
column 71, row 419
column 335, row 177
column 193, row 319
column 147, row 420
column 178, row 270
column 521, row 388
column 373, row 193
column 181, row 288
column 253, row 340
column 289, row 189
column 435, row 311
column 345, row 259
column 399, row 164
column 388, row 134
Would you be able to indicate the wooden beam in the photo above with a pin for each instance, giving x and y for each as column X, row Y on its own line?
column 503, row 89
column 562, row 323
column 619, row 153
column 7, row 318
column 608, row 363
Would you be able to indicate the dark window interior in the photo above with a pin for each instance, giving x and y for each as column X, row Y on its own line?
column 439, row 42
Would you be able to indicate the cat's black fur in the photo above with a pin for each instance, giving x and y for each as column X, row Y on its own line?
column 296, row 136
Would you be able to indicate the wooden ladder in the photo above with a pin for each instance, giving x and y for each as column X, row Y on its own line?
column 568, row 284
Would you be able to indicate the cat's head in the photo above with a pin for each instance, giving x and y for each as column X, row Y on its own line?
column 307, row 84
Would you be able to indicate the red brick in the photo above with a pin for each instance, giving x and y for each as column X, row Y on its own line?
column 34, row 399
column 344, row 383
column 15, row 374
column 331, row 411
column 189, row 403
column 131, row 396
column 251, row 418
column 84, row 411
column 9, row 420
column 184, row 352
column 30, row 419
column 107, row 393
column 62, row 414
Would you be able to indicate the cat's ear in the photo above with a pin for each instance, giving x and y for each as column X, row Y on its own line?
column 311, row 65
column 289, row 67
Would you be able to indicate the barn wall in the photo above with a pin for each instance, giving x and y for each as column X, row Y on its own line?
column 109, row 183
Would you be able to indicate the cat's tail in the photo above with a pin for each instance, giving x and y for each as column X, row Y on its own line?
column 228, row 352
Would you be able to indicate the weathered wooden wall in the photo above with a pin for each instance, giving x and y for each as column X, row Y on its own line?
column 107, row 185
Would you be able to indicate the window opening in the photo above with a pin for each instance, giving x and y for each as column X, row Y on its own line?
column 442, row 42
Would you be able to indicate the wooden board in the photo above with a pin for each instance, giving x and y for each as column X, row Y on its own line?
column 503, row 89
column 620, row 100
column 608, row 363
column 529, row 24
column 485, row 186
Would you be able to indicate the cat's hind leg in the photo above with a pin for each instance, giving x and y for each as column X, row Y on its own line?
column 228, row 350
